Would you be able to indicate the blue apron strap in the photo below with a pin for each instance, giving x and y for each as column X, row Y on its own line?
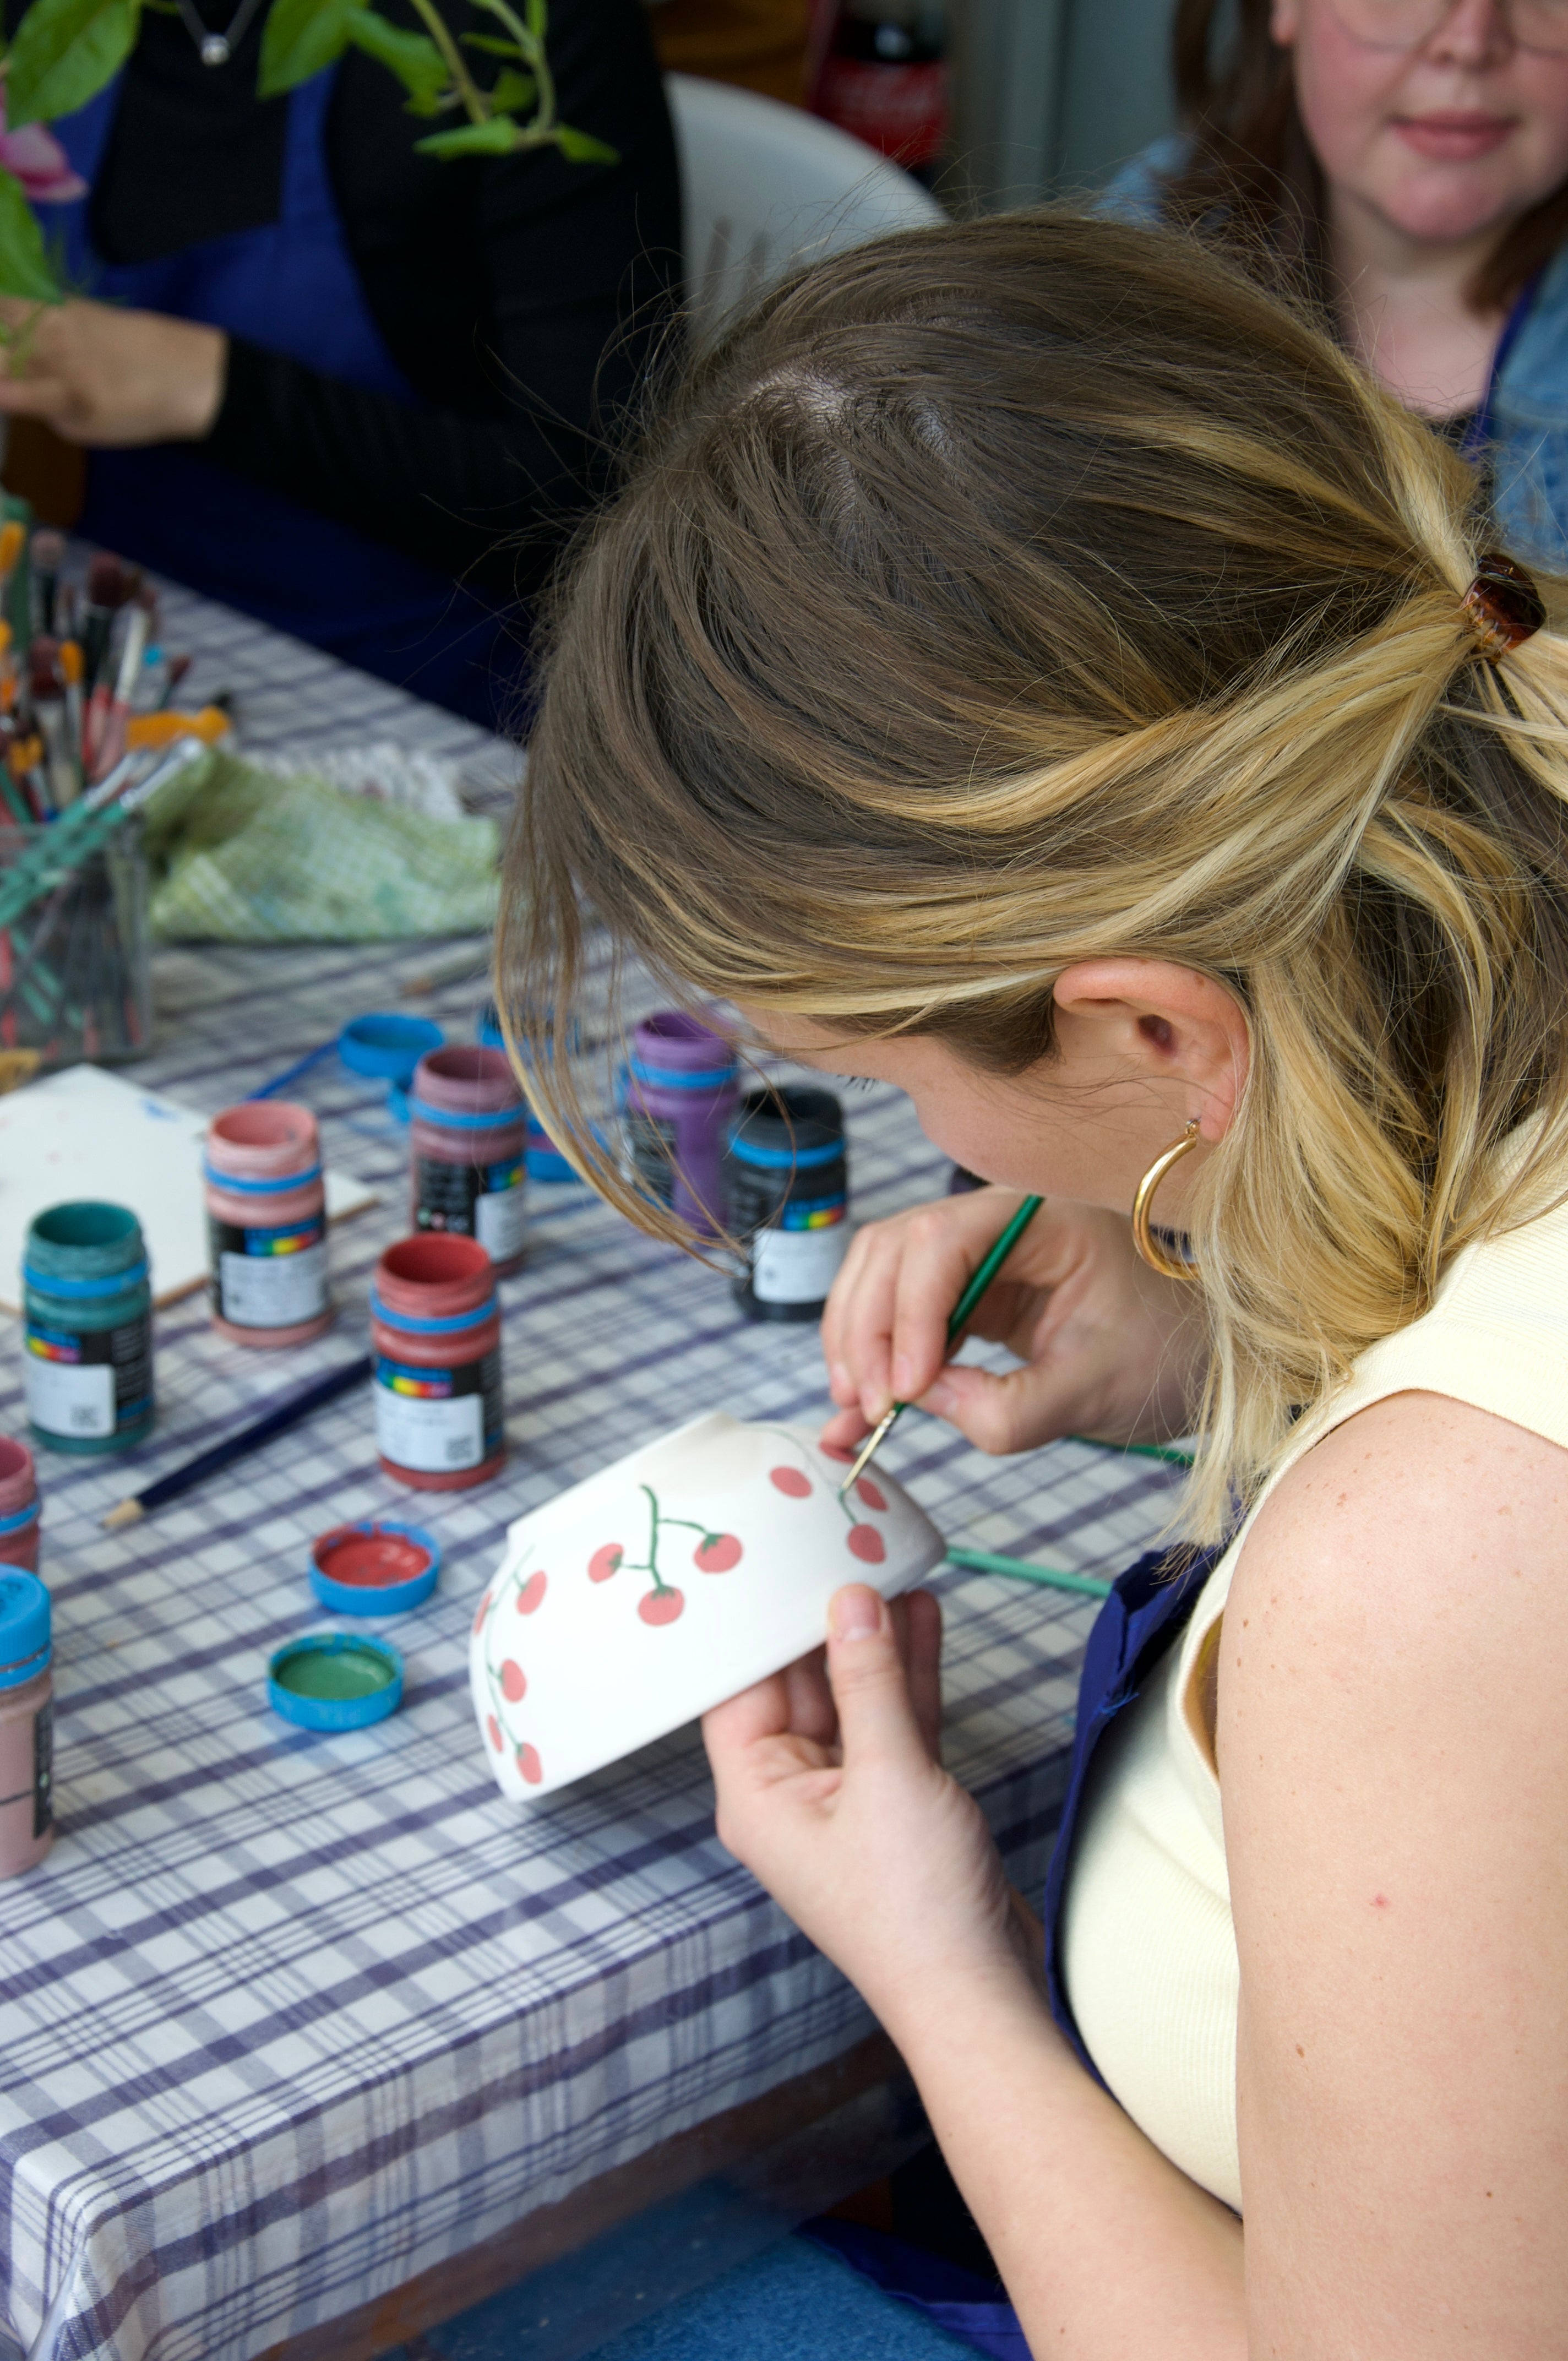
column 1478, row 433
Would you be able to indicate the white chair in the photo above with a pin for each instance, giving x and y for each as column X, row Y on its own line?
column 765, row 186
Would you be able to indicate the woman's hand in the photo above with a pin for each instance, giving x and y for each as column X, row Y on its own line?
column 1109, row 1348
column 105, row 377
column 831, row 1792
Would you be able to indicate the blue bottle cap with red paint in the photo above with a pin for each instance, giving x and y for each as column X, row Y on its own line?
column 378, row 1567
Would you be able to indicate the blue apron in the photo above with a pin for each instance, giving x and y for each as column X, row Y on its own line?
column 292, row 288
column 1143, row 1617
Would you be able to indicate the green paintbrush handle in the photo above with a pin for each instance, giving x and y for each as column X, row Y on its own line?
column 1018, row 1569
column 992, row 1264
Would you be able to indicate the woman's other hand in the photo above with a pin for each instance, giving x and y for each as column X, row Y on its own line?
column 831, row 1792
column 104, row 377
column 1108, row 1347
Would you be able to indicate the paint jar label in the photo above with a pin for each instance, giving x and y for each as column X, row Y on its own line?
column 651, row 1152
column 488, row 1201
column 268, row 1278
column 437, row 1420
column 796, row 1259
column 90, row 1383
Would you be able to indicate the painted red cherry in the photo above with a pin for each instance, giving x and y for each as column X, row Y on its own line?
column 660, row 1606
column 484, row 1609
column 532, row 1591
column 606, row 1561
column 872, row 1494
column 514, row 1682
column 792, row 1482
column 494, row 1728
column 867, row 1543
column 528, row 1762
column 716, row 1554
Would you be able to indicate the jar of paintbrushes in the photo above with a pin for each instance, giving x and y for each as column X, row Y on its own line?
column 75, row 965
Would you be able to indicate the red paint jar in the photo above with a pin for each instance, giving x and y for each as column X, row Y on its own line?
column 467, row 1134
column 19, row 1506
column 436, row 1327
column 267, row 1224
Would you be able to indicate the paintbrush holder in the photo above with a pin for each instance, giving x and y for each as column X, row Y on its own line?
column 75, row 968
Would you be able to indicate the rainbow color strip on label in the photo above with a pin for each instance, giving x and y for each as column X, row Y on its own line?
column 53, row 1348
column 818, row 1216
column 282, row 1242
column 416, row 1385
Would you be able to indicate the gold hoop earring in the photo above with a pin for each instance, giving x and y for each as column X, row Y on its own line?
column 1153, row 1253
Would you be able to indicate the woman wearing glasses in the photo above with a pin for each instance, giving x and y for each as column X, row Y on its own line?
column 1405, row 163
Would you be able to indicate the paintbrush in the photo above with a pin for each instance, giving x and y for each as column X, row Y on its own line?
column 108, row 588
column 962, row 1310
column 108, row 740
column 45, row 558
column 233, row 1446
column 48, row 711
column 70, row 668
column 13, row 542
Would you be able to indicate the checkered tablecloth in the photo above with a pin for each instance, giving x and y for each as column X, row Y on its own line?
column 285, row 2020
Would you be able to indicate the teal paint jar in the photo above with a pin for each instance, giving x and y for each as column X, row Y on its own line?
column 87, row 1332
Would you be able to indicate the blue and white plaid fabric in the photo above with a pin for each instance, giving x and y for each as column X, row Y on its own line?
column 286, row 2020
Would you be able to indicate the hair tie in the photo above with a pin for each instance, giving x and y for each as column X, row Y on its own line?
column 1503, row 606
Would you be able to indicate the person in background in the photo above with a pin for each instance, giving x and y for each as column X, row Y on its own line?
column 346, row 388
column 1405, row 164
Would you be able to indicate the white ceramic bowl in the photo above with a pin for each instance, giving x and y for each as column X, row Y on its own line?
column 663, row 1585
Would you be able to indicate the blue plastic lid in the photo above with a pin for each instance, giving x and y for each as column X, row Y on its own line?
column 335, row 1680
column 376, row 1568
column 388, row 1047
column 24, row 1627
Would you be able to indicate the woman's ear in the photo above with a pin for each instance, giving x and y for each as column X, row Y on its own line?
column 1168, row 1021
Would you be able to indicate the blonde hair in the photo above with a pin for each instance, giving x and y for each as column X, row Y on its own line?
column 1009, row 595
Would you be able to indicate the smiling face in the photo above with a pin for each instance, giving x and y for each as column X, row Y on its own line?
column 1447, row 142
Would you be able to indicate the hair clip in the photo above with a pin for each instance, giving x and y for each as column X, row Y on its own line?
column 1503, row 606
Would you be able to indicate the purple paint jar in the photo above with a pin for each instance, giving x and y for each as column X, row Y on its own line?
column 681, row 1097
column 467, row 1131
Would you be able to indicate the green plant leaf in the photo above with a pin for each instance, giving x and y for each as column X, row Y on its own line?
column 302, row 36
column 513, row 92
column 24, row 265
column 582, row 148
column 412, row 57
column 64, row 52
column 537, row 17
column 498, row 136
column 491, row 42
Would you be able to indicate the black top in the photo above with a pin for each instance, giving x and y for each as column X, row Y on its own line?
column 520, row 295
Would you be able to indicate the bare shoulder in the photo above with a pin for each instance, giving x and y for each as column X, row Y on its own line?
column 1393, row 1751
column 1422, row 1532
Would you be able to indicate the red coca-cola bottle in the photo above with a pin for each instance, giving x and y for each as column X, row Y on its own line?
column 884, row 76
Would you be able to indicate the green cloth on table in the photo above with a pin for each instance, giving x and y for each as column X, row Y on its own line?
column 242, row 856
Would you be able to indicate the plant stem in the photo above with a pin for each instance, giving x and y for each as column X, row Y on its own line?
column 467, row 89
column 543, row 124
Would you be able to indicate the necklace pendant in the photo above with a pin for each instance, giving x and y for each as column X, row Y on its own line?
column 215, row 50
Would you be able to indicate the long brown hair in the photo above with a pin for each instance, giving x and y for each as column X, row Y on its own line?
column 1250, row 179
column 1004, row 596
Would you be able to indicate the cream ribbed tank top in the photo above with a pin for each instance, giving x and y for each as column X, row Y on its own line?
column 1148, row 1949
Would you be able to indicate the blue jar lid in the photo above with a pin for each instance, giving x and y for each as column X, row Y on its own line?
column 377, row 1567
column 334, row 1680
column 24, row 1627
column 388, row 1046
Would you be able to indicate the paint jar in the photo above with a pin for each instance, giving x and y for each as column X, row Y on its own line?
column 27, row 1723
column 267, row 1224
column 540, row 1153
column 87, row 1338
column 469, row 1126
column 787, row 1188
column 681, row 1097
column 436, row 1328
column 19, row 1507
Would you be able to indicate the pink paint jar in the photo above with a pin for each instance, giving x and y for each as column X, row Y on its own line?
column 267, row 1224
column 27, row 1723
column 436, row 1325
column 19, row 1508
column 467, row 1134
